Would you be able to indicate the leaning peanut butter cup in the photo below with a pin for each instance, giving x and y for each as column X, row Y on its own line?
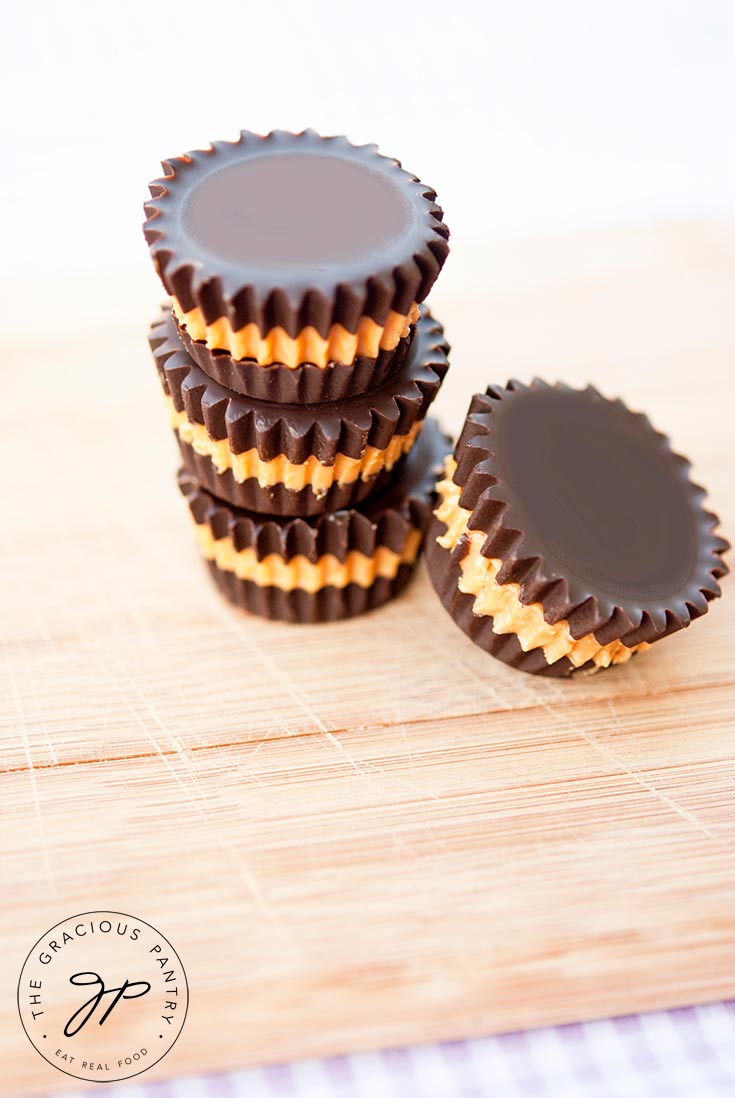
column 293, row 249
column 568, row 534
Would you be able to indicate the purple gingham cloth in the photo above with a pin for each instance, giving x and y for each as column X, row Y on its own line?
column 687, row 1053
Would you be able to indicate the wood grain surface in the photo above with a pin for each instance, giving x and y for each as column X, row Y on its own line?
column 369, row 833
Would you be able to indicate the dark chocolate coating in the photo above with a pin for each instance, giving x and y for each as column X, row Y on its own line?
column 295, row 430
column 304, row 384
column 290, row 230
column 386, row 519
column 305, row 607
column 589, row 510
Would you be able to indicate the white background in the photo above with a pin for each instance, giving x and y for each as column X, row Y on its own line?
column 524, row 115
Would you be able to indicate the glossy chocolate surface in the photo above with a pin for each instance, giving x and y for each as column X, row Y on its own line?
column 590, row 490
column 296, row 210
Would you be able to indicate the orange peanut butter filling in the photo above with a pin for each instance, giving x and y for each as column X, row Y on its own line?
column 279, row 470
column 501, row 601
column 277, row 346
column 301, row 573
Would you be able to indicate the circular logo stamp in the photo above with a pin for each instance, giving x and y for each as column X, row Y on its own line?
column 103, row 996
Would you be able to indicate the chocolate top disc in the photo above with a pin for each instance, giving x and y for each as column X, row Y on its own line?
column 294, row 229
column 295, row 211
column 588, row 509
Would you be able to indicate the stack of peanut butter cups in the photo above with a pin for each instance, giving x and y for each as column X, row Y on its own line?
column 298, row 364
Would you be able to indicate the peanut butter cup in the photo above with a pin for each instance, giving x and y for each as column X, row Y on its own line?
column 296, row 459
column 568, row 533
column 326, row 568
column 294, row 249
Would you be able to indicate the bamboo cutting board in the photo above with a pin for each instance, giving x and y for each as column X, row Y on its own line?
column 369, row 833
